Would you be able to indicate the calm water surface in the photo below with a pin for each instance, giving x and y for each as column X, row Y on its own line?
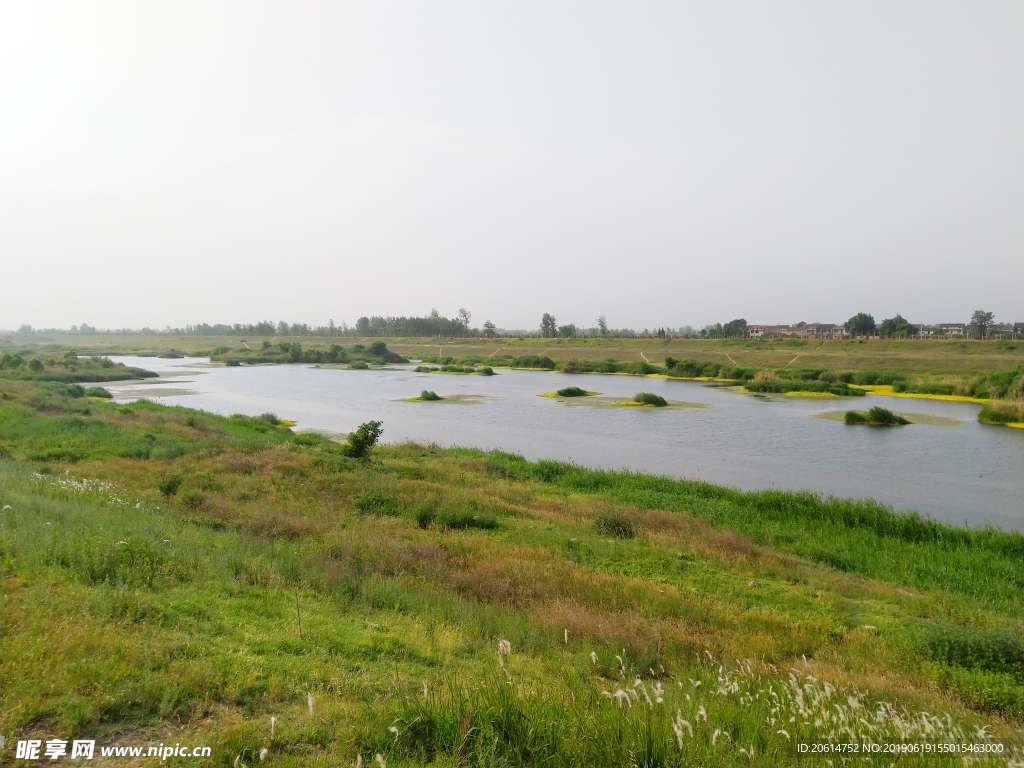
column 967, row 473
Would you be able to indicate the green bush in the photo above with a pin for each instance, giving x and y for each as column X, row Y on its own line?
column 462, row 520
column 572, row 392
column 170, row 485
column 486, row 371
column 425, row 369
column 193, row 499
column 649, row 398
column 426, row 394
column 76, row 390
column 615, row 523
column 373, row 503
column 424, row 514
column 98, row 392
column 884, row 417
column 876, row 417
column 358, row 365
column 363, row 439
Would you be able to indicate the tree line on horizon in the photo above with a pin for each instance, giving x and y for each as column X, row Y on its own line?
column 436, row 325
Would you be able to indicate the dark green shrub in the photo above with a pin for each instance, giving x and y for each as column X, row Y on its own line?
column 76, row 390
column 193, row 499
column 35, row 365
column 462, row 520
column 486, row 371
column 615, row 523
column 572, row 392
column 649, row 398
column 424, row 514
column 373, row 503
column 98, row 392
column 426, row 394
column 884, row 417
column 358, row 365
column 269, row 418
column 425, row 369
column 234, row 362
column 170, row 485
column 855, row 417
column 363, row 439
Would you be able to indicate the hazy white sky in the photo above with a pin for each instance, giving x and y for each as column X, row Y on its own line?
column 658, row 163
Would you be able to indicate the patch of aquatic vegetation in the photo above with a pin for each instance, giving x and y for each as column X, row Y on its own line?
column 464, row 370
column 450, row 399
column 915, row 418
column 570, row 392
column 617, row 402
column 876, row 417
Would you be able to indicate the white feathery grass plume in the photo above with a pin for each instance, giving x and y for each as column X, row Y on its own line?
column 263, row 754
column 309, row 701
column 380, row 760
column 273, row 724
column 504, row 649
column 677, row 727
column 785, row 733
column 593, row 657
column 701, row 713
column 424, row 689
column 237, row 758
column 565, row 638
column 394, row 730
column 695, row 683
column 359, row 760
column 659, row 693
column 622, row 695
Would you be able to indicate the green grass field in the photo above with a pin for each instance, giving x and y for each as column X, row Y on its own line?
column 174, row 576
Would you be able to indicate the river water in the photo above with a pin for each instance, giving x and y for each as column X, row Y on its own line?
column 952, row 469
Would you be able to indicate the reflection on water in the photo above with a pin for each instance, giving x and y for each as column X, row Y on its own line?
column 947, row 465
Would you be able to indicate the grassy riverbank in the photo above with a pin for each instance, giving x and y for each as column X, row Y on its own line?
column 174, row 576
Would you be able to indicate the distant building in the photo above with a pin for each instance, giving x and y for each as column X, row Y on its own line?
column 953, row 329
column 755, row 331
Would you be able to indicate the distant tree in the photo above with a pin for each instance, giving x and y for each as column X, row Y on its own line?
column 331, row 330
column 363, row 326
column 35, row 364
column 861, row 324
column 548, row 326
column 567, row 331
column 896, row 328
column 980, row 322
column 735, row 328
column 801, row 325
column 602, row 326
column 282, row 328
column 490, row 331
column 25, row 329
column 464, row 317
